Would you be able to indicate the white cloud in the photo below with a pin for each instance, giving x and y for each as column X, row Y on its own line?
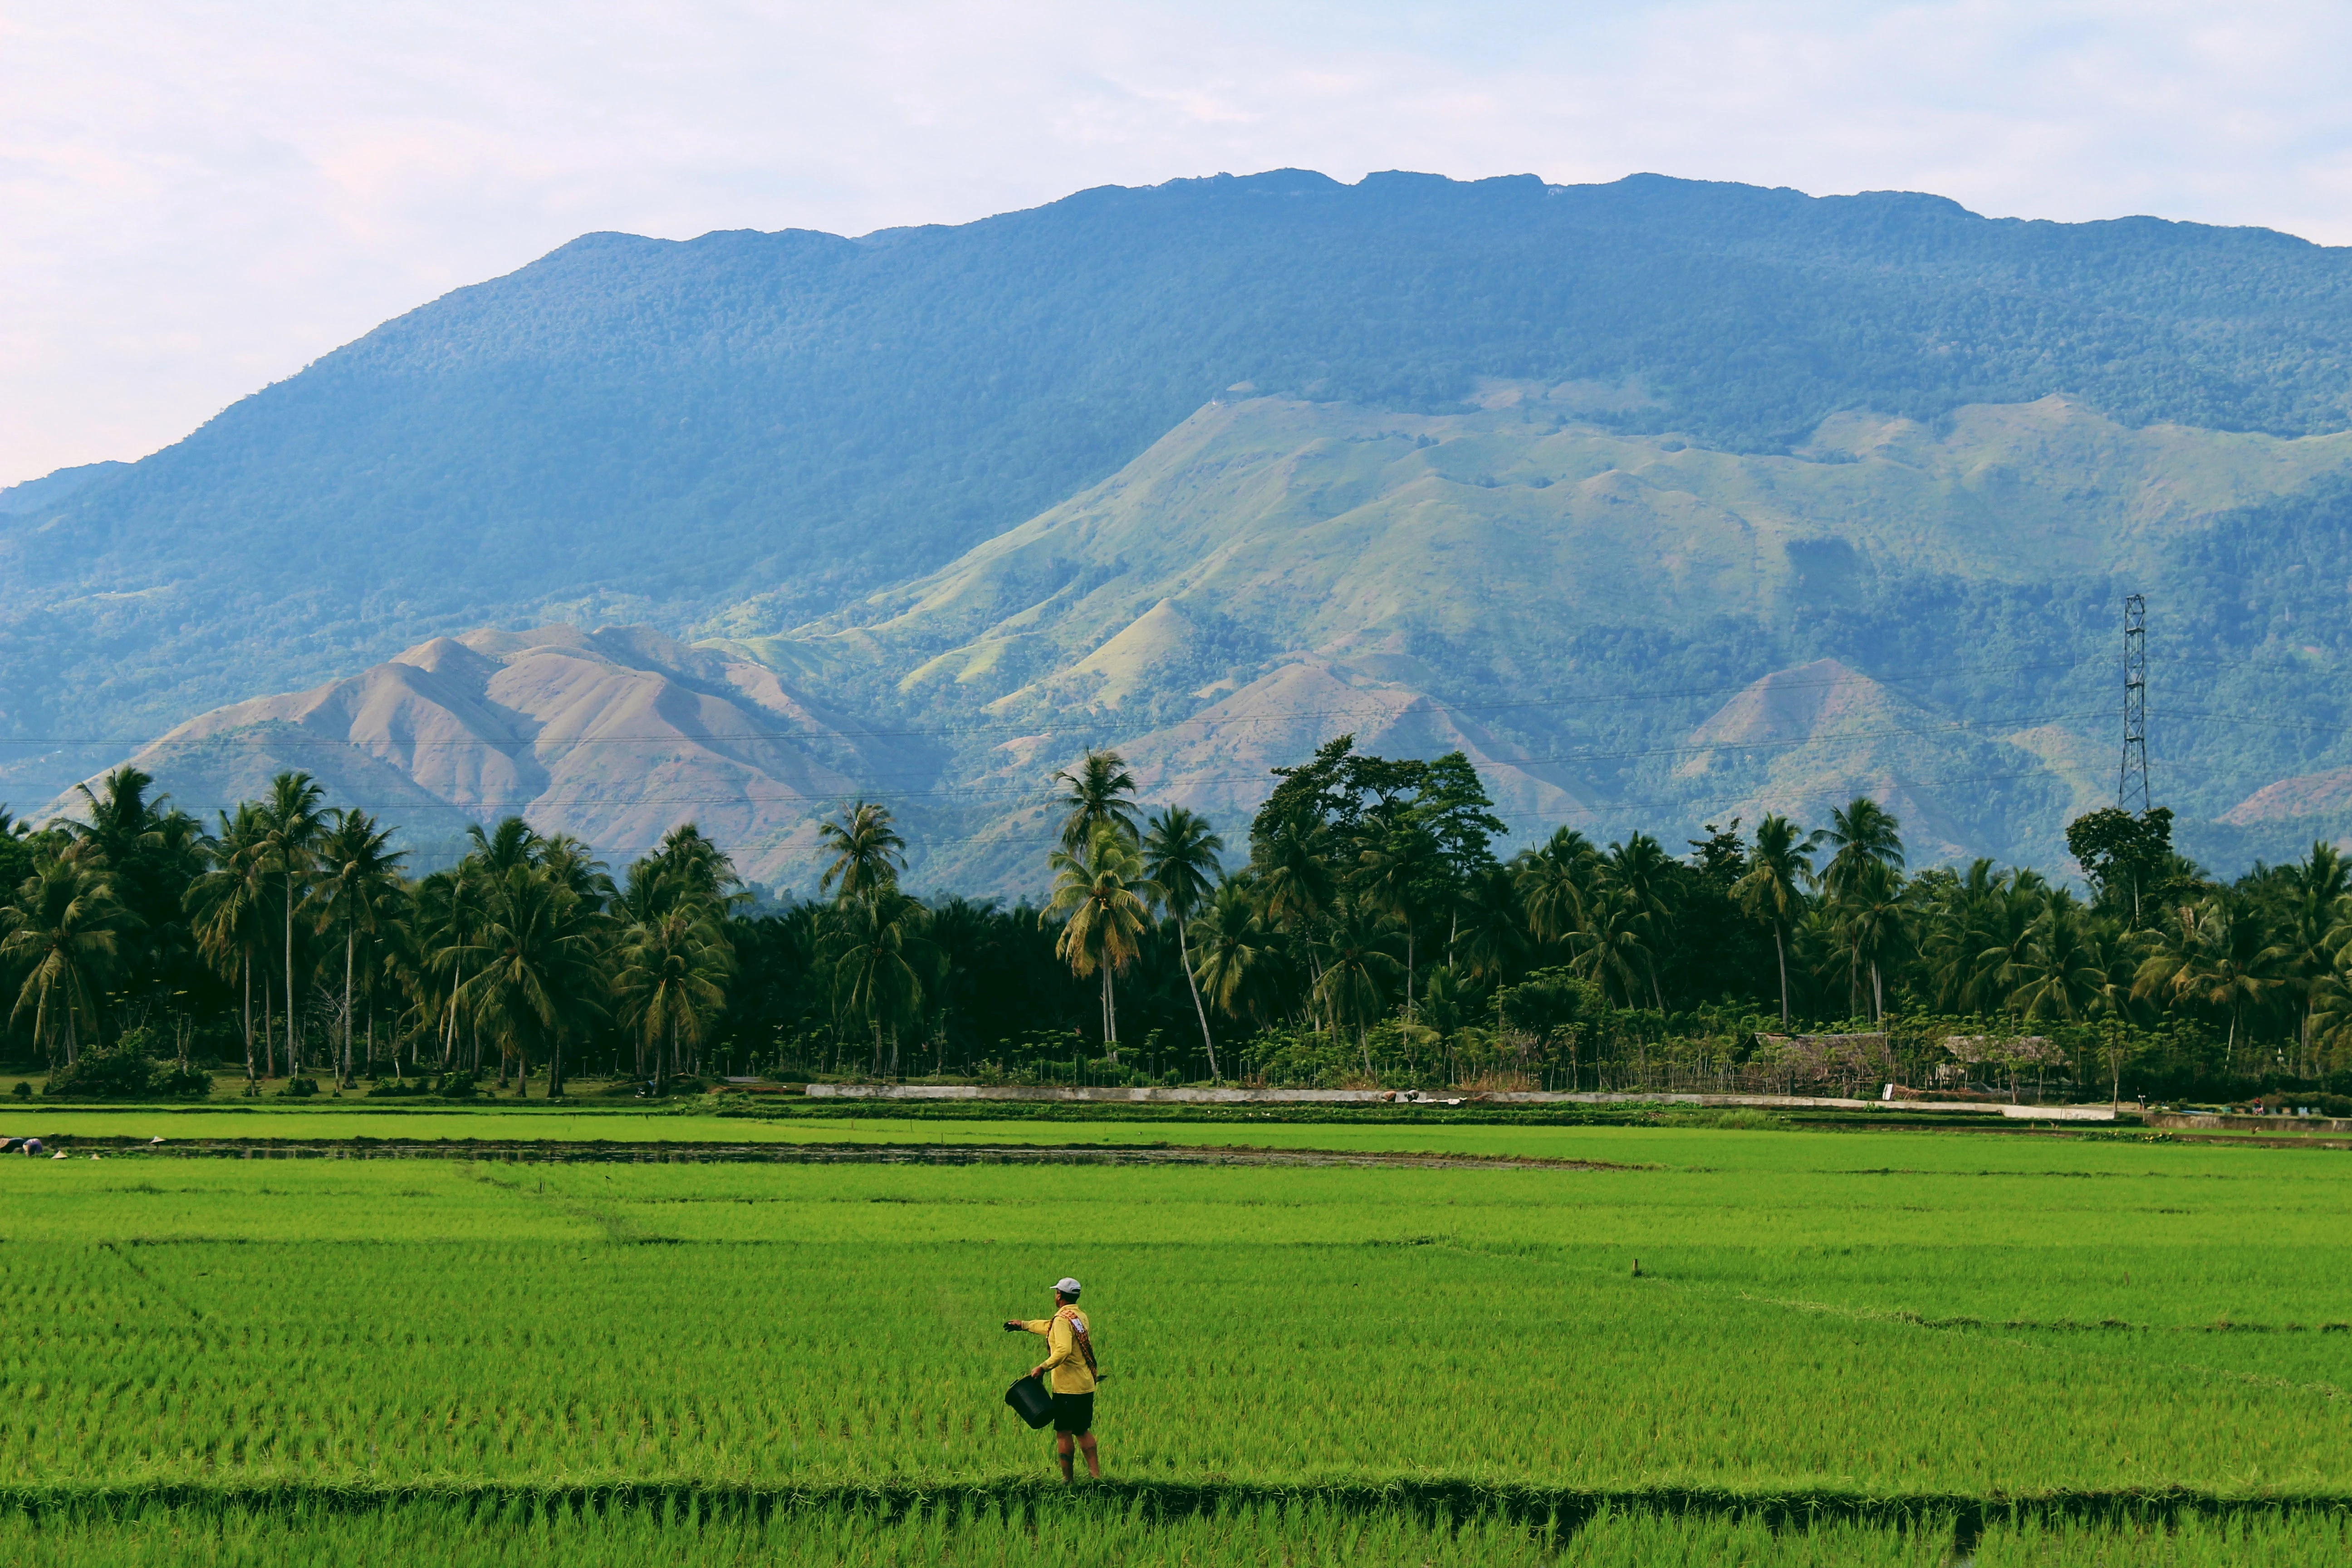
column 202, row 197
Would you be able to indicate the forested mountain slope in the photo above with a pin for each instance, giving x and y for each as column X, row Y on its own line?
column 737, row 434
column 1617, row 630
column 1582, row 611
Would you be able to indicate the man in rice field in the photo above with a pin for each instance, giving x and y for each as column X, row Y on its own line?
column 1070, row 1357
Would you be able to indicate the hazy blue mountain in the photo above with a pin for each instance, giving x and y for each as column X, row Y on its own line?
column 766, row 437
column 641, row 429
column 51, row 490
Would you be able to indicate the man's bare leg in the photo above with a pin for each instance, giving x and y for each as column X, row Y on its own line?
column 1094, row 1465
column 1062, row 1448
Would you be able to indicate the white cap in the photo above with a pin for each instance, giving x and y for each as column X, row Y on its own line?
column 1066, row 1286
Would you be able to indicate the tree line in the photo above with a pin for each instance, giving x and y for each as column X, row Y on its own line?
column 1369, row 931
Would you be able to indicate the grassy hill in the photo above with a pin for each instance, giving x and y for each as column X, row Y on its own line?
column 1584, row 611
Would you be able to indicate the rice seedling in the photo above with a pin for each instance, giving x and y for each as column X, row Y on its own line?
column 1935, row 1327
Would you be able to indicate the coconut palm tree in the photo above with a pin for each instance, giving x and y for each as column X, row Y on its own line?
column 357, row 885
column 868, row 852
column 1237, row 952
column 1179, row 858
column 291, row 821
column 1555, row 881
column 2318, row 903
column 447, row 914
column 1490, row 933
column 1633, row 878
column 1356, row 969
column 2214, row 953
column 881, row 958
column 540, row 975
column 1613, row 944
column 228, row 907
column 2065, row 973
column 1874, row 924
column 1099, row 792
column 1864, row 834
column 509, row 843
column 1106, row 901
column 670, row 980
column 1865, row 873
column 1399, row 872
column 65, row 930
column 1295, row 881
column 1780, row 864
column 698, row 868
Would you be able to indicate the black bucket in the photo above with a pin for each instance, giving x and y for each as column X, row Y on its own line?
column 1031, row 1402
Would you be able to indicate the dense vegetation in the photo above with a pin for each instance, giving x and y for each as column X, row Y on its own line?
column 1370, row 935
column 638, row 429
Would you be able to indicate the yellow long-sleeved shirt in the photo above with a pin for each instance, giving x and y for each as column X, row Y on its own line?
column 1063, row 1360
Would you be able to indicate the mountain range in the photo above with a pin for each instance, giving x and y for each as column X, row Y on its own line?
column 1663, row 501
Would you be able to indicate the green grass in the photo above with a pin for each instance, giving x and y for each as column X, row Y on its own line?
column 1937, row 1319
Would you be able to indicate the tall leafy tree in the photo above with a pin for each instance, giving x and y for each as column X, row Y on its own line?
column 1864, row 839
column 1635, row 875
column 447, row 911
column 2067, row 973
column 1491, row 935
column 2128, row 859
column 1295, row 876
column 1875, row 924
column 1453, row 806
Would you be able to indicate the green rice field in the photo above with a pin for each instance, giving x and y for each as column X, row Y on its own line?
column 1702, row 1345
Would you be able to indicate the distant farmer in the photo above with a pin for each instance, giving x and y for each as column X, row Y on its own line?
column 1070, row 1357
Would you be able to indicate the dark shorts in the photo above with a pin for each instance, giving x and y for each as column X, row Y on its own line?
column 1074, row 1412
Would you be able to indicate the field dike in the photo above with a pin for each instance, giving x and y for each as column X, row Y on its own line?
column 1556, row 1510
column 563, row 1151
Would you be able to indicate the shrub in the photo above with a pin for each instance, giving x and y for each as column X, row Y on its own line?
column 123, row 1074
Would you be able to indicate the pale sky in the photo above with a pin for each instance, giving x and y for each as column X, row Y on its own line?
column 196, row 199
